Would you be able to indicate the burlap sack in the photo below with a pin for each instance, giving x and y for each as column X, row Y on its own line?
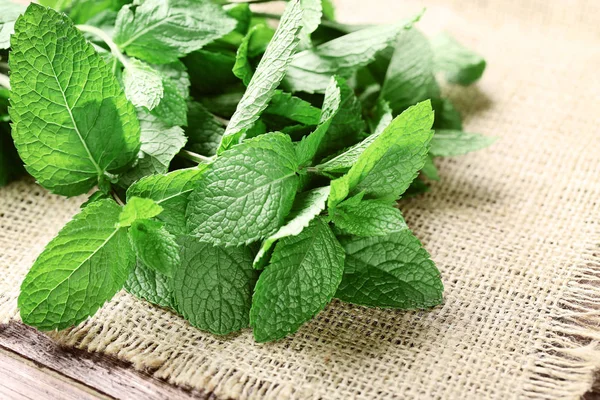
column 514, row 229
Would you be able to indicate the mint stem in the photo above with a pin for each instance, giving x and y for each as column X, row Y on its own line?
column 200, row 159
column 106, row 39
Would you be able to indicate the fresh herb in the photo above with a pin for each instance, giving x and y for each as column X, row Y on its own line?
column 246, row 175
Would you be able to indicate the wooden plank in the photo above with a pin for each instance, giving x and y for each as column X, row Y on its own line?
column 22, row 379
column 106, row 375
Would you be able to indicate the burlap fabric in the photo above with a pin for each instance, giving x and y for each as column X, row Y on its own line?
column 514, row 229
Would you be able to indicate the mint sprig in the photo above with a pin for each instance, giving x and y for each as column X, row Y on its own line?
column 246, row 174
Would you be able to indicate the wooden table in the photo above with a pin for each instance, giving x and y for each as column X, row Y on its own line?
column 33, row 367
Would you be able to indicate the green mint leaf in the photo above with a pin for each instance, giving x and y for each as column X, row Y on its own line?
column 99, row 195
column 155, row 247
column 302, row 278
column 430, row 170
column 268, row 76
column 176, row 73
column 389, row 271
column 213, row 286
column 171, row 192
column 150, row 285
column 309, row 146
column 388, row 166
column 367, row 218
column 342, row 162
column 204, row 131
column 143, row 84
column 160, row 31
column 311, row 70
column 242, row 67
column 447, row 143
column 312, row 11
column 246, row 193
column 58, row 5
column 80, row 269
column 328, row 10
column 410, row 76
column 307, row 206
column 294, row 108
column 138, row 208
column 446, row 116
column 160, row 144
column 460, row 64
column 76, row 123
column 9, row 12
column 81, row 11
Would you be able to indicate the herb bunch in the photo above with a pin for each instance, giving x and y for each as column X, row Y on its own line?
column 242, row 174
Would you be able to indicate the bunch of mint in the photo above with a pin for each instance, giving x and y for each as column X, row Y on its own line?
column 244, row 175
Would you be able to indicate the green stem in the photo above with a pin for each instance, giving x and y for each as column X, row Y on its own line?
column 114, row 49
column 4, row 81
column 197, row 158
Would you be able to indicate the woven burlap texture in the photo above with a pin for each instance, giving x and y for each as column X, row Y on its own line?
column 514, row 230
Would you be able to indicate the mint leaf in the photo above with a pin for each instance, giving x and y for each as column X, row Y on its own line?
column 242, row 67
column 300, row 281
column 161, row 31
column 155, row 247
column 172, row 109
column 460, row 64
column 74, row 123
column 150, row 285
column 9, row 12
column 246, row 193
column 171, row 192
column 213, row 286
column 80, row 269
column 311, row 69
column 143, row 84
column 447, row 143
column 160, row 144
column 81, row 11
column 307, row 206
column 294, row 108
column 446, row 116
column 367, row 218
column 138, row 208
column 312, row 11
column 211, row 71
column 387, row 167
column 410, row 76
column 266, row 79
column 204, row 131
column 389, row 271
column 430, row 170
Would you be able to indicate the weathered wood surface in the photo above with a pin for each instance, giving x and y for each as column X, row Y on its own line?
column 33, row 367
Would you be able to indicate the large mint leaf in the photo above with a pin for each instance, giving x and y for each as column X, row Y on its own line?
column 160, row 143
column 204, row 131
column 367, row 218
column 387, row 167
column 389, row 271
column 410, row 76
column 155, row 247
column 307, row 206
column 80, row 269
column 171, row 192
column 150, row 285
column 311, row 70
column 161, row 31
column 246, row 193
column 266, row 79
column 447, row 143
column 460, row 64
column 71, row 120
column 213, row 286
column 9, row 12
column 300, row 281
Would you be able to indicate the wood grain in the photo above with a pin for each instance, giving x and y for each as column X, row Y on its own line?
column 72, row 369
